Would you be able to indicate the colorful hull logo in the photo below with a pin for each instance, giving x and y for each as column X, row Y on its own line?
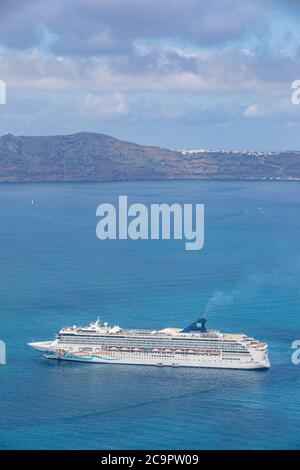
column 86, row 357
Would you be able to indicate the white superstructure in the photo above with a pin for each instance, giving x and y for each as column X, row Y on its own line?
column 193, row 346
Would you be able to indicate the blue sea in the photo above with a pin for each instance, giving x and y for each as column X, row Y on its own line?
column 55, row 272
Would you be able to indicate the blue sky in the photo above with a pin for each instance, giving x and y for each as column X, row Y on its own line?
column 180, row 74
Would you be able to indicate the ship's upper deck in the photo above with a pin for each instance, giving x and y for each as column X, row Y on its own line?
column 95, row 329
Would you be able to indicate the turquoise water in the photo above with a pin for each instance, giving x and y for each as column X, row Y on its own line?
column 54, row 271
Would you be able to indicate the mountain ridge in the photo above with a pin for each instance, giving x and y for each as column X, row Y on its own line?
column 91, row 156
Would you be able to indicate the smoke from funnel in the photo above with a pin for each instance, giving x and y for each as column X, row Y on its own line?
column 218, row 299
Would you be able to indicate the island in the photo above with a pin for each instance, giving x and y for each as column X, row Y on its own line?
column 91, row 157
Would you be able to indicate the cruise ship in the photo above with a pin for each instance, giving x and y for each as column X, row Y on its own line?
column 193, row 346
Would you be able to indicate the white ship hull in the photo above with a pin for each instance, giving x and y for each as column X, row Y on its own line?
column 174, row 363
column 153, row 359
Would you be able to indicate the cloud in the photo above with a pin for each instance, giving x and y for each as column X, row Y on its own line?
column 107, row 26
column 190, row 63
column 105, row 105
column 251, row 110
column 150, row 68
column 142, row 45
column 276, row 108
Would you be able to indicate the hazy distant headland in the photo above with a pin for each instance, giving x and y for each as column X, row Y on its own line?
column 97, row 157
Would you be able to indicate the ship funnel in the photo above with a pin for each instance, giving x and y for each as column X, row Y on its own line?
column 198, row 325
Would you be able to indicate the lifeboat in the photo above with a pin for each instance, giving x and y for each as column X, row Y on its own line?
column 136, row 349
column 155, row 350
